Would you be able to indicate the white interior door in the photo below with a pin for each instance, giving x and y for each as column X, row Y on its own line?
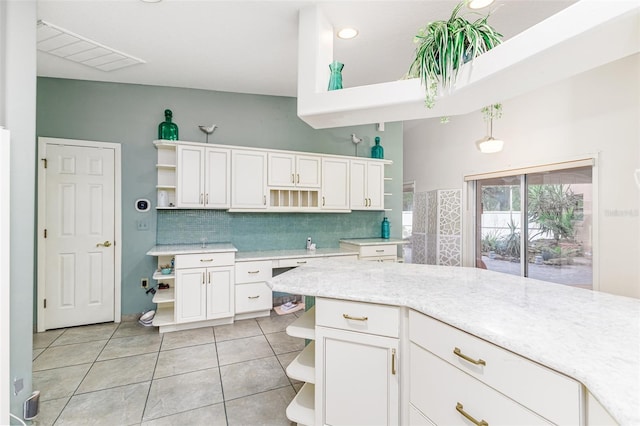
column 80, row 235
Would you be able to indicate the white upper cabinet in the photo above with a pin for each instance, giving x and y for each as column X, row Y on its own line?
column 290, row 170
column 335, row 184
column 203, row 177
column 367, row 185
column 248, row 179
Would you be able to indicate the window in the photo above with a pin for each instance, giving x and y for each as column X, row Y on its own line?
column 537, row 225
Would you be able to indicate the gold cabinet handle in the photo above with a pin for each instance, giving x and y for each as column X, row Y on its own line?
column 253, row 272
column 349, row 317
column 206, row 198
column 393, row 362
column 105, row 244
column 203, row 278
column 478, row 361
column 206, row 260
column 380, row 251
column 298, row 178
column 322, row 201
column 293, row 179
column 201, row 198
column 301, row 262
column 264, row 200
column 460, row 409
column 253, row 297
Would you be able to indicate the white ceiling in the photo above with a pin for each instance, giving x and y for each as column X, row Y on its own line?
column 251, row 46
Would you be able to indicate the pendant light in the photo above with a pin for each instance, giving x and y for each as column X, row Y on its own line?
column 488, row 144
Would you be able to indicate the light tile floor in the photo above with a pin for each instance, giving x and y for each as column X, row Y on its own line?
column 127, row 374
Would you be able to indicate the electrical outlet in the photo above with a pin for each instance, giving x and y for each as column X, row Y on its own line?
column 143, row 225
column 144, row 282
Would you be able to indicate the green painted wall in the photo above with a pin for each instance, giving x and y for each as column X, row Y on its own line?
column 130, row 114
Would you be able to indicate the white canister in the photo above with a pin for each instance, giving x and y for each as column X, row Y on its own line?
column 163, row 199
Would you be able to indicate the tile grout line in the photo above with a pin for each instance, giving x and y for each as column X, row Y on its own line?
column 153, row 373
column 224, row 400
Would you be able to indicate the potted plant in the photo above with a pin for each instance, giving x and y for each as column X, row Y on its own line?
column 444, row 46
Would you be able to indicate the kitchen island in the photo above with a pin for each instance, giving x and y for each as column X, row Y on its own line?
column 589, row 336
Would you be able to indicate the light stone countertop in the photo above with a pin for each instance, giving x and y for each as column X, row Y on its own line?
column 590, row 336
column 372, row 241
column 246, row 256
column 173, row 249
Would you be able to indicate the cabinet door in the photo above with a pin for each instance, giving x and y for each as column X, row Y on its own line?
column 335, row 184
column 190, row 183
column 308, row 171
column 217, row 173
column 282, row 169
column 358, row 185
column 356, row 378
column 248, row 179
column 375, row 185
column 220, row 294
column 191, row 290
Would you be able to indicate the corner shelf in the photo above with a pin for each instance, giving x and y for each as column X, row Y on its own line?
column 164, row 296
column 302, row 408
column 303, row 366
column 305, row 326
column 160, row 276
column 164, row 315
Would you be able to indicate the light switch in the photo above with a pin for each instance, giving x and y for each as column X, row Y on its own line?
column 143, row 225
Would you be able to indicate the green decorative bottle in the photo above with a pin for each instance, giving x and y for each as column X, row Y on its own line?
column 335, row 79
column 377, row 151
column 386, row 228
column 168, row 130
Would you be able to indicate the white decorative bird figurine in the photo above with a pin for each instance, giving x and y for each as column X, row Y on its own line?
column 356, row 140
column 208, row 130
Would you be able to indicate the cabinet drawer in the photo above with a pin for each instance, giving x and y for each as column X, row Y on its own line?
column 293, row 263
column 381, row 250
column 548, row 393
column 253, row 297
column 437, row 388
column 250, row 272
column 357, row 316
column 205, row 260
column 380, row 259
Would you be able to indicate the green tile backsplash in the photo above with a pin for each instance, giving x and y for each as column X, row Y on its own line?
column 265, row 231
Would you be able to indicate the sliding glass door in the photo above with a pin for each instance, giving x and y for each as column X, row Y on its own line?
column 537, row 225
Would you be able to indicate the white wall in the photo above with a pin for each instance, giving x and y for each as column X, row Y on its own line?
column 18, row 114
column 595, row 112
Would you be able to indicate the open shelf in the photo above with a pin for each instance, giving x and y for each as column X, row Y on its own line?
column 159, row 276
column 303, row 366
column 164, row 315
column 302, row 408
column 164, row 296
column 305, row 326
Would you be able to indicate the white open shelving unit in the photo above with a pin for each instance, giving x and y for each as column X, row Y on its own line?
column 302, row 409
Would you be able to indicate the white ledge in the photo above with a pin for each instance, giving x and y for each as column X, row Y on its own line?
column 586, row 35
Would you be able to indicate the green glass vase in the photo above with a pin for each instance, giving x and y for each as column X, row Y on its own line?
column 335, row 79
column 377, row 151
column 168, row 130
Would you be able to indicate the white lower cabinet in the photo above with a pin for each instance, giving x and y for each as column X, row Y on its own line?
column 357, row 381
column 252, row 294
column 357, row 370
column 204, row 292
column 457, row 378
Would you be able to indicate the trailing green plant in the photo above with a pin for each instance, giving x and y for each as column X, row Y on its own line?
column 444, row 46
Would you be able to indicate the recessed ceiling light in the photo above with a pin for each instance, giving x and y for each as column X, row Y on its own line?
column 478, row 4
column 347, row 33
column 151, row 1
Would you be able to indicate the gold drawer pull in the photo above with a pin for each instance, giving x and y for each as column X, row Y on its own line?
column 379, row 251
column 349, row 317
column 393, row 362
column 206, row 260
column 478, row 361
column 460, row 410
column 253, row 272
column 253, row 297
column 301, row 262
